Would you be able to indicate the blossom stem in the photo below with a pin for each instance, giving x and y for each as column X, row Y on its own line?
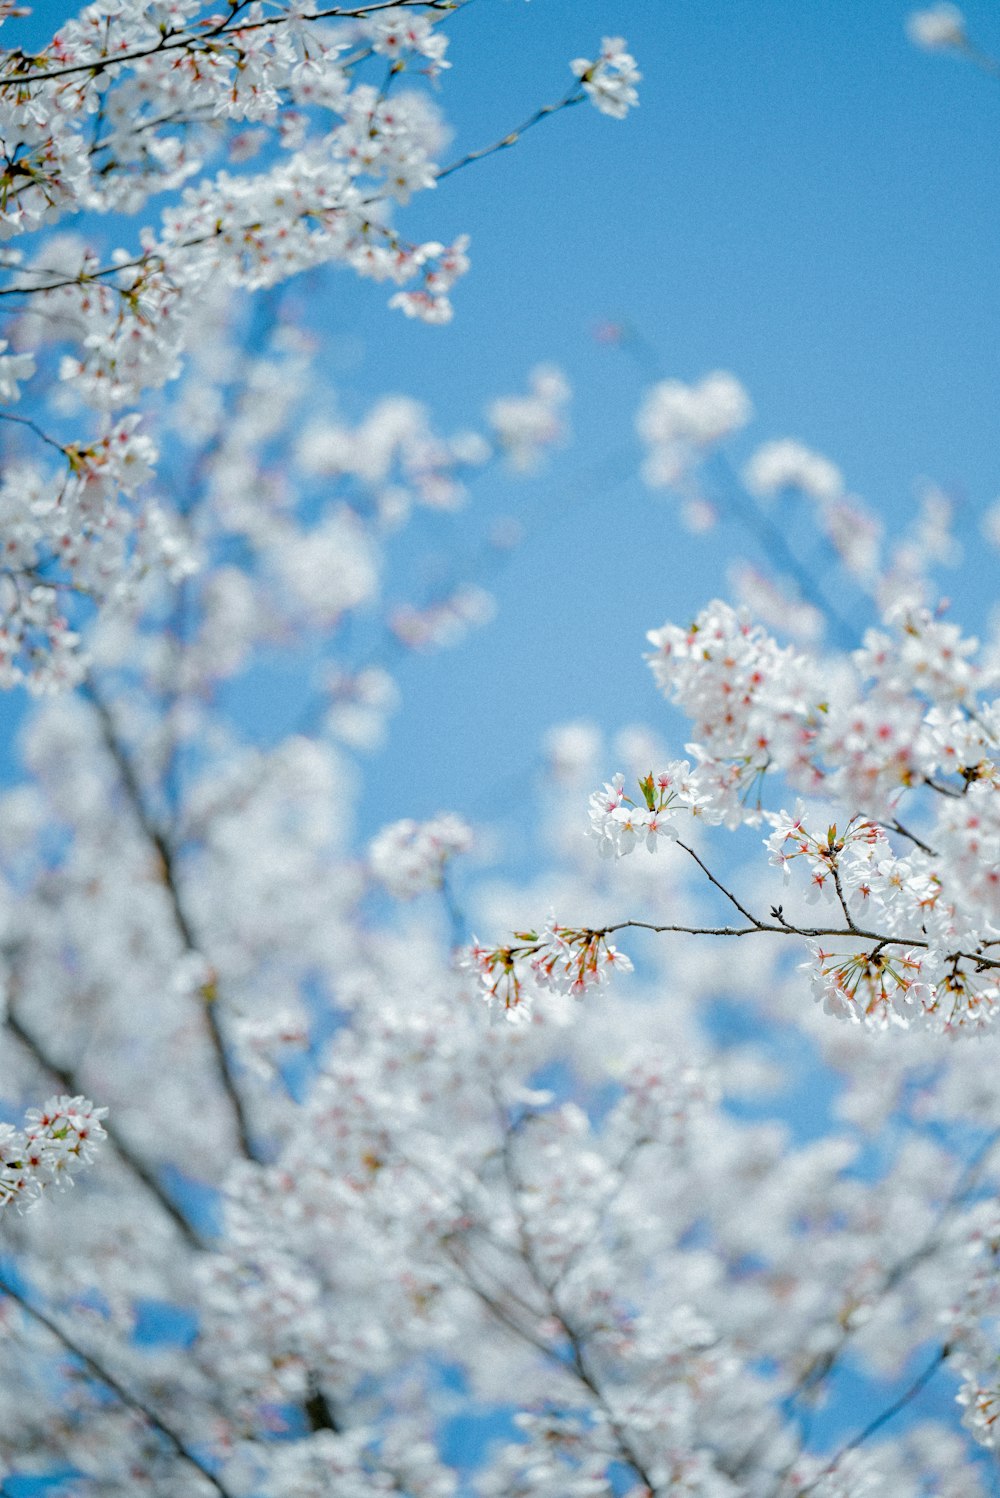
column 574, row 96
column 25, row 421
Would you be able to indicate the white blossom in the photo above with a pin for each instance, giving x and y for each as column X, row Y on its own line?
column 610, row 81
column 936, row 27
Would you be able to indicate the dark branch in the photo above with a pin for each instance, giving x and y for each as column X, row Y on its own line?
column 69, row 1080
column 182, row 921
column 110, row 1381
column 180, row 41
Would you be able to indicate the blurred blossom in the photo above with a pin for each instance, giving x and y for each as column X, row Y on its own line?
column 774, row 606
column 680, row 423
column 409, row 857
column 526, row 425
column 990, row 524
column 787, row 464
column 572, row 749
column 937, row 27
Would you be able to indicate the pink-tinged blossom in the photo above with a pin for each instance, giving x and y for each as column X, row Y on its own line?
column 131, row 106
column 752, row 702
column 566, row 1218
column 399, row 31
column 903, row 716
column 923, row 656
column 424, row 306
column 668, row 797
column 57, row 1142
column 560, row 959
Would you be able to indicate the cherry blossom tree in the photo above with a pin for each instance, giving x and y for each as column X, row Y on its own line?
column 280, row 139
column 338, row 1203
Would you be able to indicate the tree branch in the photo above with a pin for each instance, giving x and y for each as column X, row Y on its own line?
column 110, row 1381
column 712, row 879
column 178, row 41
column 575, row 96
column 923, row 1378
column 69, row 1080
column 182, row 921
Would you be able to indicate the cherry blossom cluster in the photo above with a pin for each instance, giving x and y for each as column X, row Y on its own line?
column 678, row 423
column 57, row 1141
column 526, row 425
column 276, row 144
column 409, row 857
column 904, row 709
column 309, row 508
column 560, row 959
column 342, row 1219
column 396, row 455
column 79, row 537
column 899, row 728
column 618, row 824
column 665, row 1283
column 906, row 719
column 609, row 82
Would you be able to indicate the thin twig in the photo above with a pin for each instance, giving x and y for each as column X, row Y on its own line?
column 842, row 898
column 574, row 96
column 896, row 826
column 25, row 421
column 728, row 894
column 785, row 929
column 923, row 1378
